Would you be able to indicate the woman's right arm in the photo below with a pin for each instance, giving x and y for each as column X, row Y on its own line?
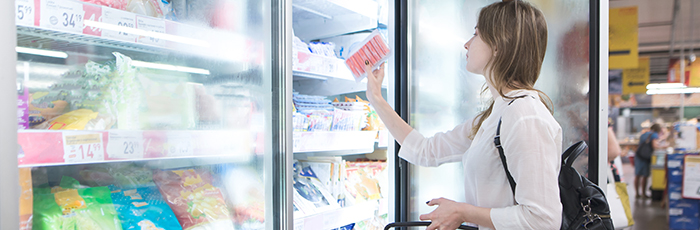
column 398, row 128
column 441, row 148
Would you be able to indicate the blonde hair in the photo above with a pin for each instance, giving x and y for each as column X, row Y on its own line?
column 518, row 32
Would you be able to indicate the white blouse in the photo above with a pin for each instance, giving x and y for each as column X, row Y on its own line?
column 531, row 140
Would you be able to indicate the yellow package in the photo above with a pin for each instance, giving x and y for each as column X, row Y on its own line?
column 73, row 120
column 26, row 199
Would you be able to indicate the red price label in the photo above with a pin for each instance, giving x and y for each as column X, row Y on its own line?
column 92, row 13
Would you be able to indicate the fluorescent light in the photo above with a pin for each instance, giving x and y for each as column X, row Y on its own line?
column 169, row 67
column 164, row 36
column 40, row 52
column 666, row 86
column 673, row 91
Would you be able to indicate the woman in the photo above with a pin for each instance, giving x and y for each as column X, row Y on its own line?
column 642, row 167
column 507, row 49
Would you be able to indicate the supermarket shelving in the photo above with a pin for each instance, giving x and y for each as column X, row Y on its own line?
column 343, row 216
column 334, row 142
column 100, row 28
column 320, row 75
column 314, row 19
column 53, row 147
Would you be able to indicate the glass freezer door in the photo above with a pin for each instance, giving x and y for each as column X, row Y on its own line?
column 145, row 114
column 442, row 94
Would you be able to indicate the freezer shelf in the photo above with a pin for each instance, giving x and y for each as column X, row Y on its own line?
column 320, row 75
column 347, row 142
column 50, row 148
column 341, row 217
column 103, row 26
column 314, row 19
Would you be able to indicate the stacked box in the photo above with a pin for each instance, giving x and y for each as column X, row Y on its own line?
column 683, row 223
column 675, row 167
column 684, row 214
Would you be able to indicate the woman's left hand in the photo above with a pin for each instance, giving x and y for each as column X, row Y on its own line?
column 448, row 215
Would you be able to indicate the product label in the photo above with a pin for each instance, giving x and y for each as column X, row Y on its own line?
column 23, row 111
column 179, row 144
column 154, row 28
column 82, row 147
column 125, row 144
column 24, row 12
column 93, row 14
column 62, row 15
column 121, row 19
column 69, row 200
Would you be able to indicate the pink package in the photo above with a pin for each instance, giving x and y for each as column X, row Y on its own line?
column 373, row 50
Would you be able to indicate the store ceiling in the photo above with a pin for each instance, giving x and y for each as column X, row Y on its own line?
column 655, row 27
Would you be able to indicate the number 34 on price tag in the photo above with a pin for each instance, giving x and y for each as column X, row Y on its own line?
column 82, row 147
column 125, row 144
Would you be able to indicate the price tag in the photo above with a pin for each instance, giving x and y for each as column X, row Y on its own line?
column 152, row 25
column 119, row 18
column 180, row 144
column 92, row 13
column 62, row 15
column 296, row 142
column 24, row 12
column 82, row 147
column 125, row 144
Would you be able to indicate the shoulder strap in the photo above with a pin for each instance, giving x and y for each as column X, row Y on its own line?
column 497, row 142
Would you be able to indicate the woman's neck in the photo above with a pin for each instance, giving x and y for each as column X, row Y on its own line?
column 494, row 91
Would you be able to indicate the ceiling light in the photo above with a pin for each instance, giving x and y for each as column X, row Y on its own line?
column 673, row 91
column 666, row 86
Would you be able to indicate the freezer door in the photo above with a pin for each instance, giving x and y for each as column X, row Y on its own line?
column 158, row 113
column 442, row 94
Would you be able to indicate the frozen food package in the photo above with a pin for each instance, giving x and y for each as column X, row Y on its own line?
column 197, row 204
column 374, row 50
column 73, row 120
column 245, row 191
column 143, row 208
column 310, row 195
column 25, row 199
column 75, row 209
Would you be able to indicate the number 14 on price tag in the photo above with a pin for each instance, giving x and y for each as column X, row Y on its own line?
column 82, row 147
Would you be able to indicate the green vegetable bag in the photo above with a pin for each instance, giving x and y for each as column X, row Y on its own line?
column 75, row 209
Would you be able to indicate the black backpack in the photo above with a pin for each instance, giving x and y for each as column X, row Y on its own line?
column 645, row 149
column 583, row 202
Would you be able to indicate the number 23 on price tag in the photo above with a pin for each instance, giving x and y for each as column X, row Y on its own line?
column 82, row 147
column 125, row 144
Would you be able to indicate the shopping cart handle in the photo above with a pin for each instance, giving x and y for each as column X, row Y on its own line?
column 420, row 223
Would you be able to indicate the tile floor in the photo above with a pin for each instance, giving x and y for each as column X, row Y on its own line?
column 648, row 214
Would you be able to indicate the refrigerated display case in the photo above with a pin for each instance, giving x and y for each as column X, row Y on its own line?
column 435, row 93
column 340, row 172
column 147, row 113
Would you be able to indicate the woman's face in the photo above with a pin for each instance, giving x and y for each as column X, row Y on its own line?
column 478, row 54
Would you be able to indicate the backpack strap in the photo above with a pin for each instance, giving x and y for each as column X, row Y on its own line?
column 497, row 142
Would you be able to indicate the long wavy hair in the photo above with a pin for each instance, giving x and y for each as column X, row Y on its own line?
column 517, row 34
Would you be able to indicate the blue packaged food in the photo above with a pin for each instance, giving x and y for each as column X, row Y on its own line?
column 143, row 208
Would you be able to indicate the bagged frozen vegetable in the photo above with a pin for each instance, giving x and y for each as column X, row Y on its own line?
column 75, row 209
column 197, row 204
column 143, row 208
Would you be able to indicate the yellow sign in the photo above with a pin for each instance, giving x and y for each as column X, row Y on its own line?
column 694, row 73
column 635, row 80
column 623, row 37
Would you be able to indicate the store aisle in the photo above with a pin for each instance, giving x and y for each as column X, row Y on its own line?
column 648, row 214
